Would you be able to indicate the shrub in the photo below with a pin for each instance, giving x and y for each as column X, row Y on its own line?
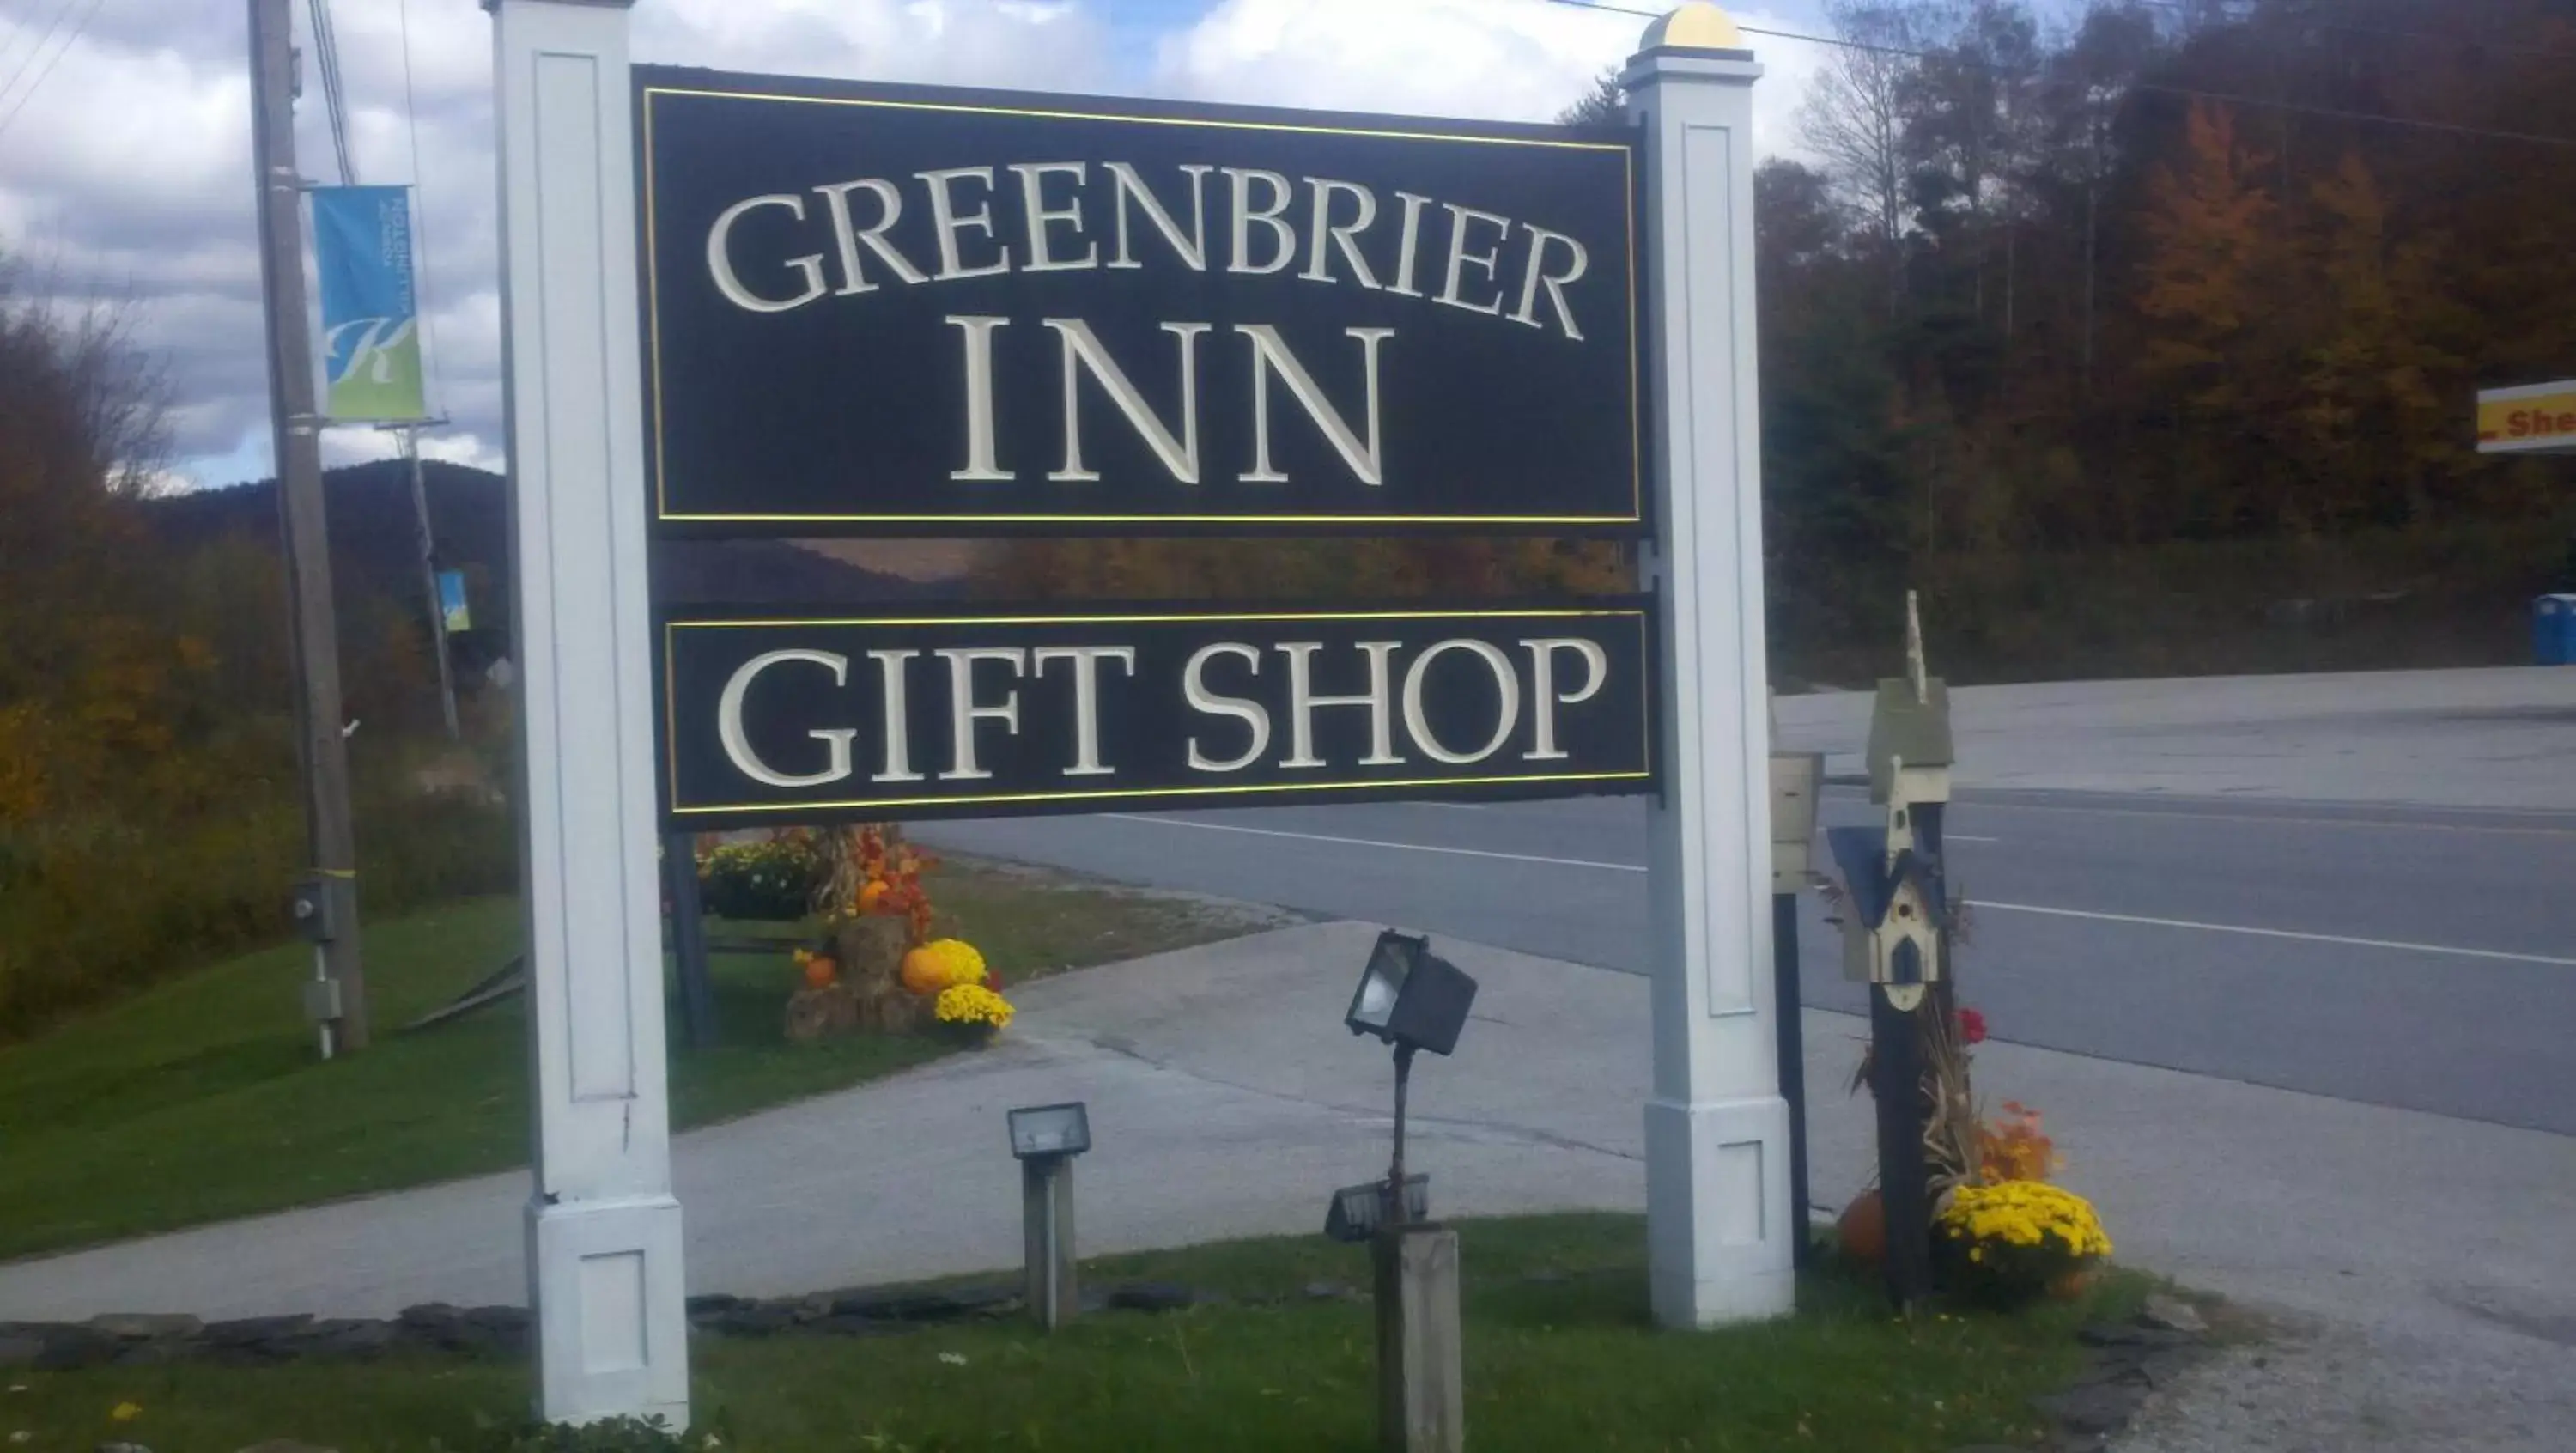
column 773, row 879
column 109, row 900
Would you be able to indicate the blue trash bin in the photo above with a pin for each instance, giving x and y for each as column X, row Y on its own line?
column 2553, row 630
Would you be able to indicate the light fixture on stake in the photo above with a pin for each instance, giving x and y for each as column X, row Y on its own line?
column 1045, row 1139
column 1414, row 1000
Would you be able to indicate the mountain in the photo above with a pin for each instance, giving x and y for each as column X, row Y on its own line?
column 374, row 545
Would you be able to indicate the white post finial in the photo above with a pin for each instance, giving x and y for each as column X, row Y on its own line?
column 1720, row 1242
column 1695, row 25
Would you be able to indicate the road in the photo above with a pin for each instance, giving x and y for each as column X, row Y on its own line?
column 2393, row 955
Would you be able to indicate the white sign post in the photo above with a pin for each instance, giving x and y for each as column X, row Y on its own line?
column 1720, row 1245
column 604, row 1240
column 604, row 1277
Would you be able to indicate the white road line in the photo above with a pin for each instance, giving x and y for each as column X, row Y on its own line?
column 1987, row 804
column 2418, row 948
column 1960, row 837
column 1364, row 842
column 1983, row 903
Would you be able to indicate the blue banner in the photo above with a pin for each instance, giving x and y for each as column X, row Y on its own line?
column 451, row 602
column 370, row 316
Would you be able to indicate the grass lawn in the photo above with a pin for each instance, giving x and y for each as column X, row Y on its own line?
column 1559, row 1358
column 202, row 1099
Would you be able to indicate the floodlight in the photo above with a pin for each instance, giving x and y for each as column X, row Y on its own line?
column 1050, row 1130
column 1356, row 1212
column 1409, row 996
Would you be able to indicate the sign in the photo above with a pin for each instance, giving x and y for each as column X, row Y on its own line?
column 451, row 602
column 370, row 317
column 800, row 721
column 2538, row 418
column 873, row 309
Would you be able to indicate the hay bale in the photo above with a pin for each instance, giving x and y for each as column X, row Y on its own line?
column 871, row 951
column 814, row 1014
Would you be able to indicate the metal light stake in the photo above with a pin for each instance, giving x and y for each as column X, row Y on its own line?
column 1045, row 1139
column 1414, row 1000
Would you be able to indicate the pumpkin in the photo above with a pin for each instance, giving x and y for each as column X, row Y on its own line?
column 820, row 972
column 940, row 964
column 868, row 895
column 925, row 971
column 1863, row 1227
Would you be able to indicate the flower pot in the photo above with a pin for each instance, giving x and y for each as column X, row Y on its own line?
column 969, row 1036
column 1862, row 1228
column 2069, row 1286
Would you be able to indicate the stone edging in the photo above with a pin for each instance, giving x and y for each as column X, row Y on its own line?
column 2128, row 1361
column 131, row 1339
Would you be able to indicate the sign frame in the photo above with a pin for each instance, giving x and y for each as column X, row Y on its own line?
column 1633, row 518
column 1333, row 788
column 603, row 1231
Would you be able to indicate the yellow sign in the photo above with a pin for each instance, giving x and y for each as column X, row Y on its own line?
column 2536, row 418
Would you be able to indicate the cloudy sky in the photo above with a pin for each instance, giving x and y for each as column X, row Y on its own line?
column 125, row 135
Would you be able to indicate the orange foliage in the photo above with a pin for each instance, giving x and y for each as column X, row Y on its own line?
column 2012, row 1147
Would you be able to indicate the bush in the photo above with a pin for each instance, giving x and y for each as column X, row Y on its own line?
column 774, row 879
column 108, row 901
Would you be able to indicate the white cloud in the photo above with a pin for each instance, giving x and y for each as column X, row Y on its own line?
column 127, row 175
column 1504, row 60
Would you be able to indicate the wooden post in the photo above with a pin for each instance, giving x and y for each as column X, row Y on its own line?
column 296, row 429
column 1791, row 1021
column 689, row 939
column 1896, row 1081
column 1046, row 1213
column 1421, row 1377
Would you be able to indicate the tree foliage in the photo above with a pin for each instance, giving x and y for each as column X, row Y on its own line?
column 148, row 807
column 2141, row 281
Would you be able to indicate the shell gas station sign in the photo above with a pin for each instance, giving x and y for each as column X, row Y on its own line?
column 2536, row 418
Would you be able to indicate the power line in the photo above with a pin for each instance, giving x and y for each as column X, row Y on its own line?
column 39, row 48
column 38, row 83
column 2331, row 113
column 335, row 102
column 20, row 30
column 419, row 212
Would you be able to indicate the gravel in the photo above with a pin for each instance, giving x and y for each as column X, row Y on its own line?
column 2333, row 1387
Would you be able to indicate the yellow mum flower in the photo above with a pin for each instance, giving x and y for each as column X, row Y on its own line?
column 2026, row 1213
column 971, row 1004
column 959, row 961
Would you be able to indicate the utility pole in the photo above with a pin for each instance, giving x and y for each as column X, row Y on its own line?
column 296, row 424
column 429, row 570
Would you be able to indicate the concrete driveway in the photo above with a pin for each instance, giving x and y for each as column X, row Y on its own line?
column 1226, row 1100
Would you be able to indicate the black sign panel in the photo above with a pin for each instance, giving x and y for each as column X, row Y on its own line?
column 875, row 309
column 801, row 721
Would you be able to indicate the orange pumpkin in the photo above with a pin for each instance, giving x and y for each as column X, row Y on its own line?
column 924, row 972
column 868, row 896
column 1863, row 1227
column 820, row 972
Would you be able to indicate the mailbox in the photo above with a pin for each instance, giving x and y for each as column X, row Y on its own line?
column 1796, row 780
